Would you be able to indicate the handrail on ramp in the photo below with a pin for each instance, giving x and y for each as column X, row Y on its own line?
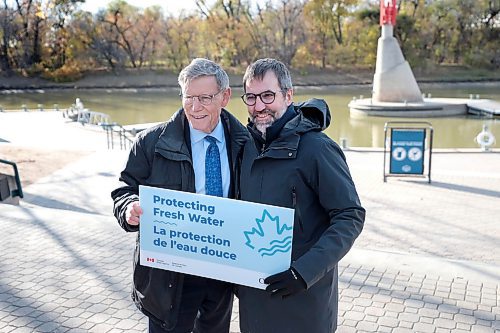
column 19, row 191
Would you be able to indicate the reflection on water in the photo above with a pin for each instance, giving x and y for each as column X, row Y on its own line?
column 144, row 106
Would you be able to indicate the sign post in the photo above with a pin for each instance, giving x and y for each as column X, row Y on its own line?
column 407, row 147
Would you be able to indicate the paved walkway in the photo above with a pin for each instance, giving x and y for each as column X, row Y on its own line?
column 428, row 259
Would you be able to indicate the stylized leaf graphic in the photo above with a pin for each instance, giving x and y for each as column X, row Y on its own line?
column 269, row 236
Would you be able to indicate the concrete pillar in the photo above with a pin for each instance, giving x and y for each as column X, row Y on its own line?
column 393, row 80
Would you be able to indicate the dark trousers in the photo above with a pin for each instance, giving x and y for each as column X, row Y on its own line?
column 205, row 307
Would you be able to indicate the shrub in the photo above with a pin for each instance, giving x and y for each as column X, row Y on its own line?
column 69, row 72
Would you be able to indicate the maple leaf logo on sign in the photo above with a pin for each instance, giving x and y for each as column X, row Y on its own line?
column 270, row 236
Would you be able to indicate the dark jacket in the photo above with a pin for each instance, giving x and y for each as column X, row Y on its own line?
column 303, row 169
column 161, row 157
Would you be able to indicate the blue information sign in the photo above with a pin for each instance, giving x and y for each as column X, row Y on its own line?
column 407, row 151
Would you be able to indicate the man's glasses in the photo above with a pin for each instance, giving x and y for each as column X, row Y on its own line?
column 204, row 99
column 267, row 97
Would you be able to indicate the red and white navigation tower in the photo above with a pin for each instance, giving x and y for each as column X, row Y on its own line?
column 393, row 80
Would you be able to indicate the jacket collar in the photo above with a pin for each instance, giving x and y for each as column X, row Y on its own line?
column 172, row 138
column 236, row 134
column 273, row 131
column 312, row 115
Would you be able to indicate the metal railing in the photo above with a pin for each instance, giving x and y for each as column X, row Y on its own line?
column 18, row 192
column 113, row 129
column 86, row 117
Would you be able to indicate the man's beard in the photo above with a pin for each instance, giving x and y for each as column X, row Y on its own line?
column 262, row 126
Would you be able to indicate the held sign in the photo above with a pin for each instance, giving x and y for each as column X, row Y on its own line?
column 219, row 238
column 407, row 151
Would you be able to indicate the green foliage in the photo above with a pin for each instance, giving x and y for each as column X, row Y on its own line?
column 371, row 15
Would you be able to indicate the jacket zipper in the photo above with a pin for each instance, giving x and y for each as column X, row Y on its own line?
column 294, row 203
column 263, row 150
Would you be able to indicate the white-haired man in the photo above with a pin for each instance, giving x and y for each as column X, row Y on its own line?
column 175, row 155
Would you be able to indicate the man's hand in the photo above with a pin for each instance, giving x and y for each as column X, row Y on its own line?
column 133, row 213
column 286, row 283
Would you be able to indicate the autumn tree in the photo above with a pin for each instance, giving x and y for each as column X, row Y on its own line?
column 180, row 40
column 58, row 14
column 281, row 29
column 129, row 28
column 227, row 25
column 327, row 18
column 25, row 20
column 7, row 36
column 148, row 29
column 291, row 32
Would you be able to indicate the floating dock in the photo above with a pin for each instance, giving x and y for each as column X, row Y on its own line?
column 484, row 107
column 430, row 107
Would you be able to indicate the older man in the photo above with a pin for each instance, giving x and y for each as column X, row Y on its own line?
column 291, row 163
column 197, row 150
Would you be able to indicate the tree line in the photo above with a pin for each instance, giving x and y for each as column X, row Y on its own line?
column 58, row 40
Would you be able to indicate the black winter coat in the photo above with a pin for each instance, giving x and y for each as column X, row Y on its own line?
column 161, row 157
column 305, row 170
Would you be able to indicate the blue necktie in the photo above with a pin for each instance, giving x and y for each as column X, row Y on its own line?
column 213, row 176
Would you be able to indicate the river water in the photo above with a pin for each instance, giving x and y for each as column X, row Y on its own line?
column 131, row 106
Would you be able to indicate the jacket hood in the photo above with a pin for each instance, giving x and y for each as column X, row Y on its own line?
column 316, row 110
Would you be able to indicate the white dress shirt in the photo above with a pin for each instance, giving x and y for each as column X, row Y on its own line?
column 199, row 148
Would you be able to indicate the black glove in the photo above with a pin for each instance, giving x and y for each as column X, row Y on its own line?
column 286, row 283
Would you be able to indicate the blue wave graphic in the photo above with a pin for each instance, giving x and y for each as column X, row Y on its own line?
column 278, row 250
column 168, row 223
column 274, row 247
column 281, row 241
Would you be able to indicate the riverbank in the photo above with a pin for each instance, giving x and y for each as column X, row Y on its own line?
column 146, row 78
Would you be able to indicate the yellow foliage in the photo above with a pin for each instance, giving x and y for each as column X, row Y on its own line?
column 303, row 58
column 67, row 73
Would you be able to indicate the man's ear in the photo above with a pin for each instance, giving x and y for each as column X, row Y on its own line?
column 289, row 96
column 226, row 97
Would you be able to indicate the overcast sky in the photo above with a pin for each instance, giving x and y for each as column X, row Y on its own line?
column 169, row 6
